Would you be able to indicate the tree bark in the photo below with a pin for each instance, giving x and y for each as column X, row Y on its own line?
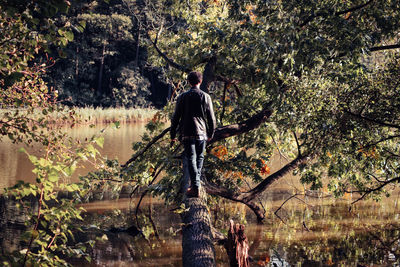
column 197, row 243
column 208, row 74
column 237, row 246
column 99, row 87
column 197, row 240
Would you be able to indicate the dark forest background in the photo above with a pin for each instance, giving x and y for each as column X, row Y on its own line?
column 106, row 64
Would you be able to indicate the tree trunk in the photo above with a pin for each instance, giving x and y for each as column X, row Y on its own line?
column 197, row 240
column 197, row 243
column 99, row 87
column 237, row 246
column 137, row 48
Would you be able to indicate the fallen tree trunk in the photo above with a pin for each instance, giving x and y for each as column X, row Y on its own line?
column 198, row 235
column 197, row 241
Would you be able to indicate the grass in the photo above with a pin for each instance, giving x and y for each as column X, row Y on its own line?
column 89, row 115
column 110, row 115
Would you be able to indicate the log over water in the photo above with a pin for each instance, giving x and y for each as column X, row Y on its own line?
column 197, row 243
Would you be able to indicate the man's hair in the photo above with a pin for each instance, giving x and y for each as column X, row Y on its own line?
column 195, row 77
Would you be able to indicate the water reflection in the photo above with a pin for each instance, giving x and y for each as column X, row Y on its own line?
column 369, row 235
column 15, row 165
column 312, row 232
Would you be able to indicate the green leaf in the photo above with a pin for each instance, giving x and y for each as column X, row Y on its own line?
column 116, row 125
column 83, row 23
column 99, row 141
column 69, row 35
column 53, row 177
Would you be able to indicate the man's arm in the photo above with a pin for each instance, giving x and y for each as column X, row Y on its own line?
column 176, row 118
column 211, row 122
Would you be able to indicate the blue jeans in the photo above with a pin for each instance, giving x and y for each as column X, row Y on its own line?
column 194, row 152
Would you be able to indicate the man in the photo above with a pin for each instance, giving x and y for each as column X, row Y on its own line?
column 195, row 119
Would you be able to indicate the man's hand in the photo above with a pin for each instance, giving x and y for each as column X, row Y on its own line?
column 172, row 142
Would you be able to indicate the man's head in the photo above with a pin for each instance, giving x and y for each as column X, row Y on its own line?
column 195, row 78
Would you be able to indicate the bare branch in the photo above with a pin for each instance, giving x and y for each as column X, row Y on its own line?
column 277, row 147
column 382, row 123
column 338, row 13
column 280, row 207
column 375, row 189
column 384, row 47
column 248, row 196
column 156, row 174
column 166, row 58
column 153, row 141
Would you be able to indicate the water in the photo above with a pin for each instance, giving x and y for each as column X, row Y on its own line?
column 15, row 165
column 305, row 232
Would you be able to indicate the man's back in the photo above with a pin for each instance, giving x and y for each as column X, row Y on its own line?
column 194, row 115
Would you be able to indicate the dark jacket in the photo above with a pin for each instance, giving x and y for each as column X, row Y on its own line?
column 194, row 116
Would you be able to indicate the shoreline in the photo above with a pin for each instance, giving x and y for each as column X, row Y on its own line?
column 90, row 115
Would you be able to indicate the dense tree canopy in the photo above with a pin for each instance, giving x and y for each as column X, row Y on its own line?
column 105, row 65
column 298, row 77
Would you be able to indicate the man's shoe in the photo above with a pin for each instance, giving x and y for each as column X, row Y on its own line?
column 193, row 192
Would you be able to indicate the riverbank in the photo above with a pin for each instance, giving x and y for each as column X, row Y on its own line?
column 90, row 115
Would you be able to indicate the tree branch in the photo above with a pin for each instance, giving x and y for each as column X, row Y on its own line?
column 384, row 47
column 373, row 120
column 139, row 153
column 250, row 195
column 166, row 58
column 371, row 190
column 242, row 127
column 338, row 13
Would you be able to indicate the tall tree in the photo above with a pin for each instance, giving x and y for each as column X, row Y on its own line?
column 287, row 76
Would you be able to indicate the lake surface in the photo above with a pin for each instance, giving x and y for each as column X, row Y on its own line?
column 15, row 165
column 308, row 231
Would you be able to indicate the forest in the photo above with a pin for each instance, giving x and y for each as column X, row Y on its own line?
column 306, row 91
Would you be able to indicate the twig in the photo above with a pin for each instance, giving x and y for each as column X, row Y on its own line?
column 338, row 13
column 371, row 190
column 138, row 154
column 146, row 191
column 297, row 143
column 384, row 47
column 277, row 147
column 382, row 123
column 280, row 207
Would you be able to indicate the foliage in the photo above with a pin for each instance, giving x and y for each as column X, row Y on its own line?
column 31, row 114
column 51, row 217
column 334, row 108
column 105, row 64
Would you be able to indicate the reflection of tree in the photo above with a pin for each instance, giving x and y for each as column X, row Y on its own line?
column 374, row 246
